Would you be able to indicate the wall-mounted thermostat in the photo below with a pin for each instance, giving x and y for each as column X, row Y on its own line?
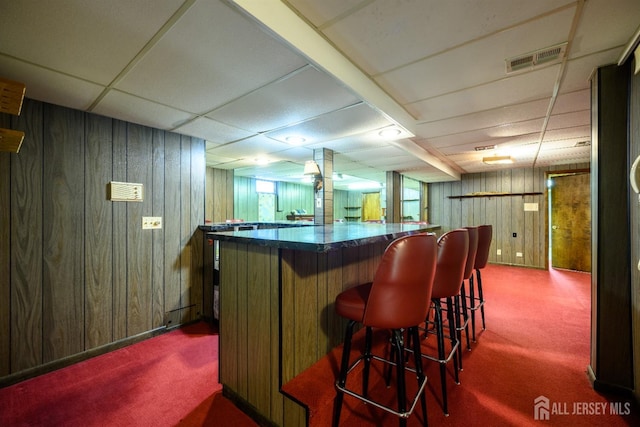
column 124, row 192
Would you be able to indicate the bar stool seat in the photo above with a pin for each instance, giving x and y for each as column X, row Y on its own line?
column 461, row 300
column 453, row 247
column 396, row 300
column 485, row 234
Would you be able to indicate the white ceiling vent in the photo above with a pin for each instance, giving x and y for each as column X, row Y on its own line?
column 538, row 58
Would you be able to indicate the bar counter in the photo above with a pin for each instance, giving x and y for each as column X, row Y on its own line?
column 277, row 287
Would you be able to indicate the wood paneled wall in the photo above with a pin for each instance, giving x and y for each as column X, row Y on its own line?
column 77, row 272
column 219, row 195
column 278, row 303
column 506, row 214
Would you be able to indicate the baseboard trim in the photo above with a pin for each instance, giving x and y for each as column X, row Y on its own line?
column 608, row 388
column 246, row 407
column 79, row 357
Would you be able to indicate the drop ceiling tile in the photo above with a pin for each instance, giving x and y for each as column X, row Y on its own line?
column 579, row 71
column 319, row 12
column 566, row 120
column 250, row 148
column 136, row 110
column 211, row 56
column 576, row 132
column 213, row 159
column 372, row 35
column 50, row 86
column 604, row 24
column 474, row 63
column 213, row 131
column 525, row 87
column 91, row 40
column 494, row 135
column 295, row 154
column 301, row 95
column 484, row 119
column 347, row 121
column 579, row 100
column 564, row 156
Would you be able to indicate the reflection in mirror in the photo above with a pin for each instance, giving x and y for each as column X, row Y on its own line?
column 286, row 171
column 410, row 199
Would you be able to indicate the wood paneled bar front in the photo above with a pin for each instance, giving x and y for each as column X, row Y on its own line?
column 277, row 288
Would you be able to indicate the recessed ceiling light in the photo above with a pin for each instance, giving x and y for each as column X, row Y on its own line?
column 389, row 132
column 295, row 139
column 497, row 160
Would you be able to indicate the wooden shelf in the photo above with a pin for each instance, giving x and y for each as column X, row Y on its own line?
column 471, row 196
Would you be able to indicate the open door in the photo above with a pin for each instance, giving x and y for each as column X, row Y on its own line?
column 570, row 221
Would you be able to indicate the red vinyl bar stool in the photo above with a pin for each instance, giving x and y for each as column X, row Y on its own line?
column 461, row 301
column 396, row 300
column 453, row 247
column 485, row 234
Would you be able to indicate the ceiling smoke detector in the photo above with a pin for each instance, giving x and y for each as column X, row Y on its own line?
column 546, row 56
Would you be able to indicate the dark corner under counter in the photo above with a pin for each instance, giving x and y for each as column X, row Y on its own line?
column 276, row 293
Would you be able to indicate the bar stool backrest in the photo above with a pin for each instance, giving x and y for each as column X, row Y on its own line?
column 473, row 249
column 453, row 249
column 402, row 285
column 485, row 234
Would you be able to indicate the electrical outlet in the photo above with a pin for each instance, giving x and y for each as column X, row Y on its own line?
column 151, row 222
column 499, row 252
column 518, row 254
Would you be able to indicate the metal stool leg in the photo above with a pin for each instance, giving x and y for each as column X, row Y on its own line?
column 344, row 367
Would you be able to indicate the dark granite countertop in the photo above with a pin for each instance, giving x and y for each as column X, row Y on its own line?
column 320, row 238
column 253, row 225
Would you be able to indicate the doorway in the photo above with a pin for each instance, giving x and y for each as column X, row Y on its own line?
column 371, row 207
column 569, row 220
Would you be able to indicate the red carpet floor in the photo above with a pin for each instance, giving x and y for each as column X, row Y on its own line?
column 168, row 380
column 536, row 344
